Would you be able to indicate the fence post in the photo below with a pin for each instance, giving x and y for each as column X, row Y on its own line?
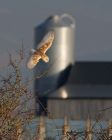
column 65, row 129
column 110, row 129
column 41, row 131
column 88, row 133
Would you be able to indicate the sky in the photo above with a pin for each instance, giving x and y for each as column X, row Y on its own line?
column 93, row 25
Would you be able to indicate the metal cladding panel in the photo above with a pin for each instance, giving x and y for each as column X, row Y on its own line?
column 77, row 101
column 80, row 109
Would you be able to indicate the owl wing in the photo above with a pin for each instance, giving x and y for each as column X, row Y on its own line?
column 33, row 60
column 46, row 42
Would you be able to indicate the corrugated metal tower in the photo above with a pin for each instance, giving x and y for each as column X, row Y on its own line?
column 61, row 54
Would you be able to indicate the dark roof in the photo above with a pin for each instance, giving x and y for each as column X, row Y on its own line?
column 91, row 73
column 82, row 91
column 86, row 80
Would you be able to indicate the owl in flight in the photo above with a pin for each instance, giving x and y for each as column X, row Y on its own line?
column 40, row 52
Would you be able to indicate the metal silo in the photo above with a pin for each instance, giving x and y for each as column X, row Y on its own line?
column 61, row 54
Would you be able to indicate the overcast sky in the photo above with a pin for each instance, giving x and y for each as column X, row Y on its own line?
column 93, row 25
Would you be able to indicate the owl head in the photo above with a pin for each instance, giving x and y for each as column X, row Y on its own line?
column 45, row 58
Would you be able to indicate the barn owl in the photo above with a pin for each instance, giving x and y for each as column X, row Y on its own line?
column 40, row 52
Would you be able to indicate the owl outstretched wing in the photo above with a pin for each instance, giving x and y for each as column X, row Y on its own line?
column 33, row 60
column 46, row 42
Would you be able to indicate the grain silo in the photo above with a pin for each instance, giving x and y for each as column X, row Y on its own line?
column 61, row 54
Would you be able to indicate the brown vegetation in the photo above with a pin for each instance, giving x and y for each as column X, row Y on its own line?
column 14, row 98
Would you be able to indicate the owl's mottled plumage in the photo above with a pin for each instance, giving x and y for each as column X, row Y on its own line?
column 42, row 48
